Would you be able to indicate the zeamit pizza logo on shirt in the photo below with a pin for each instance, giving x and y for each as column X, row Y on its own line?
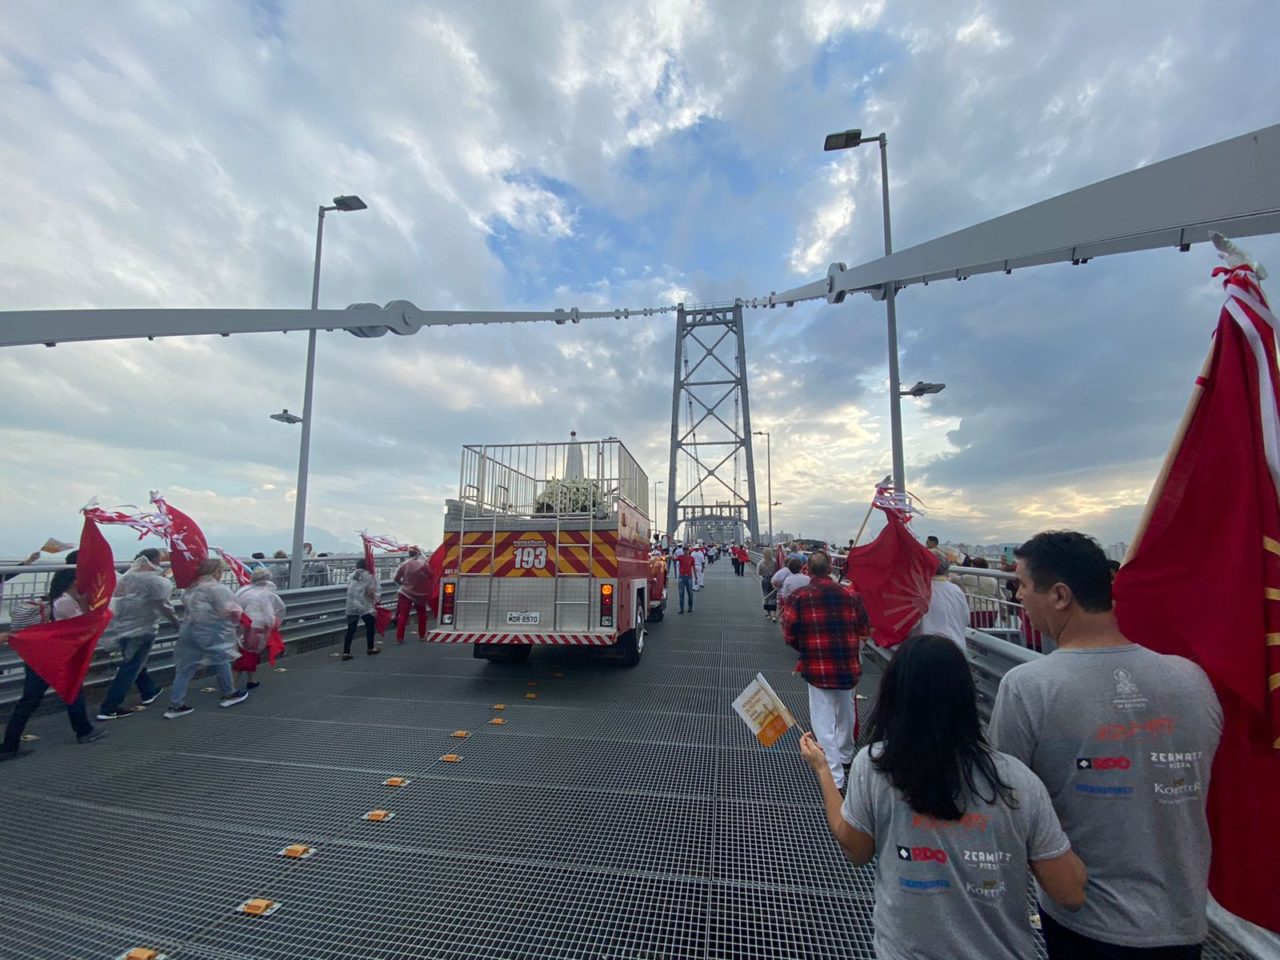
column 1176, row 760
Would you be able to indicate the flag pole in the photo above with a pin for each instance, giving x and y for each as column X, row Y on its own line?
column 1157, row 488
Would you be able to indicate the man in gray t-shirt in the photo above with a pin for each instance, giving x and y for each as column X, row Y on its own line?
column 1123, row 739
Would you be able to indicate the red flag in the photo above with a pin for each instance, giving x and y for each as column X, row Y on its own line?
column 1202, row 580
column 238, row 569
column 275, row 644
column 60, row 651
column 382, row 617
column 435, row 568
column 187, row 545
column 892, row 573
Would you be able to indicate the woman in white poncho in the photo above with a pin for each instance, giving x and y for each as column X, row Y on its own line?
column 208, row 636
column 264, row 608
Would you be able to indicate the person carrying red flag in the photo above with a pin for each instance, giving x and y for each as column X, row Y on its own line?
column 414, row 578
column 1123, row 738
column 265, row 610
column 893, row 576
column 208, row 635
column 57, row 653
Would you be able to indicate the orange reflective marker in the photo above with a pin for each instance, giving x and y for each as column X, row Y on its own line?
column 531, row 696
column 557, row 674
column 141, row 953
column 259, row 907
column 497, row 721
column 533, row 683
column 451, row 758
column 297, row 851
column 379, row 816
column 396, row 782
column 499, row 706
column 461, row 734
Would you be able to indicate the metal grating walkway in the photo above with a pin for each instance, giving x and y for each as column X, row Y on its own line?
column 618, row 814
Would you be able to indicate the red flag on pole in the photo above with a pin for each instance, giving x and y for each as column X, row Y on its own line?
column 187, row 545
column 60, row 651
column 892, row 574
column 1202, row 580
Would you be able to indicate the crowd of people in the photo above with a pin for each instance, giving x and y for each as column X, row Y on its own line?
column 226, row 631
column 1092, row 775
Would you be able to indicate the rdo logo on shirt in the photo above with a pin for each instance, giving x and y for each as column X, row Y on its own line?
column 922, row 854
column 1103, row 763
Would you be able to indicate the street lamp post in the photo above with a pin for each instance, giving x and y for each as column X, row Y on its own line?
column 844, row 141
column 768, row 455
column 654, row 510
column 345, row 204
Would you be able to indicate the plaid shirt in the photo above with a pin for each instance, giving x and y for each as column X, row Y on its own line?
column 825, row 623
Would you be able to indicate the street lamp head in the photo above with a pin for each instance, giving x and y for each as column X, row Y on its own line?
column 759, row 433
column 284, row 416
column 921, row 388
column 349, row 203
column 842, row 140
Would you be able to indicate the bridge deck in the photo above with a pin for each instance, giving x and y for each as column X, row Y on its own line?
column 620, row 813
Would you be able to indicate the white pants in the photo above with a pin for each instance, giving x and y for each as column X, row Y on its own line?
column 831, row 714
column 697, row 578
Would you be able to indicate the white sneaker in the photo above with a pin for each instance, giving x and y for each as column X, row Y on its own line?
column 240, row 696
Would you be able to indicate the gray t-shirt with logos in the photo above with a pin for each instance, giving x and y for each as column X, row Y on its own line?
column 1124, row 739
column 948, row 889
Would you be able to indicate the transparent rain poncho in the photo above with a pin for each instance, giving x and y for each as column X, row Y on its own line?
column 209, row 625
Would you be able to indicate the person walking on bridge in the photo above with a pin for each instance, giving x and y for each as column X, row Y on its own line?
column 140, row 601
column 765, row 570
column 208, row 635
column 362, row 601
column 1123, row 738
column 265, row 610
column 826, row 624
column 955, row 823
column 414, row 578
column 685, row 568
column 699, row 564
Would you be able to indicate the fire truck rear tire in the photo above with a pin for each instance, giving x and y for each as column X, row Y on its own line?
column 632, row 642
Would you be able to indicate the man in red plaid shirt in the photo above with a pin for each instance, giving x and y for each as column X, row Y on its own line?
column 826, row 624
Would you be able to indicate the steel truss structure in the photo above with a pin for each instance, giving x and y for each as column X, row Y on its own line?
column 711, row 384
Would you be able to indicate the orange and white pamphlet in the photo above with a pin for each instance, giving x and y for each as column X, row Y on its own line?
column 763, row 711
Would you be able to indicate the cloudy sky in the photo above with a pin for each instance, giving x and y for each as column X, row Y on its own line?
column 595, row 154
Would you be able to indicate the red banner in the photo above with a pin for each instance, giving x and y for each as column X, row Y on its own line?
column 1203, row 581
column 892, row 574
column 60, row 651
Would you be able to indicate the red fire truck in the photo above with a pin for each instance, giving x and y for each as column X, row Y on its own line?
column 547, row 543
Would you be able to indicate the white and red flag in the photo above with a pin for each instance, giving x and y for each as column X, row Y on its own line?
column 60, row 651
column 187, row 545
column 382, row 615
column 1202, row 580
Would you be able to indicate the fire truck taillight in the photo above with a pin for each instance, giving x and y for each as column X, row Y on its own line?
column 446, row 606
column 606, row 604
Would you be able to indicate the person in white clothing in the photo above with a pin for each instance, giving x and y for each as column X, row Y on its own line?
column 699, row 562
column 265, row 610
column 948, row 613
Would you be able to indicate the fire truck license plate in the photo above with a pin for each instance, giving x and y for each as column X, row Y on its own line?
column 522, row 617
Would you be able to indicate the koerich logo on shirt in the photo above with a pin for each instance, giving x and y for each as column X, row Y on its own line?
column 922, row 854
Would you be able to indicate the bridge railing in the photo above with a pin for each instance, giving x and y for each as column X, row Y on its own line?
column 313, row 616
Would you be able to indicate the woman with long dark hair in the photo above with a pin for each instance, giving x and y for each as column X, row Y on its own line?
column 954, row 823
column 65, row 602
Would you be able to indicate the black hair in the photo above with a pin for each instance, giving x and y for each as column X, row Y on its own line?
column 60, row 582
column 362, row 564
column 1064, row 556
column 72, row 557
column 151, row 553
column 926, row 719
column 257, row 556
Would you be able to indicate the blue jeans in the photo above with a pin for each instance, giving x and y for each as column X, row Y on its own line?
column 135, row 651
column 33, row 688
column 686, row 586
column 182, row 679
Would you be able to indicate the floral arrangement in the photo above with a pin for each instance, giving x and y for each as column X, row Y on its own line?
column 576, row 495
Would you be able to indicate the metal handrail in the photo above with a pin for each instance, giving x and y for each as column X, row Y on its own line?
column 312, row 613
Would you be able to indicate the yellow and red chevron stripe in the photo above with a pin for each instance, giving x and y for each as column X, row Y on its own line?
column 533, row 553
